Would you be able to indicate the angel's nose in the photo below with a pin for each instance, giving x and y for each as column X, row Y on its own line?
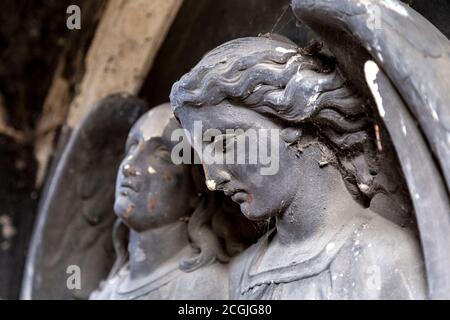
column 128, row 170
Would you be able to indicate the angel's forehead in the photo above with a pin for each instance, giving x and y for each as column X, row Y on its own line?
column 153, row 122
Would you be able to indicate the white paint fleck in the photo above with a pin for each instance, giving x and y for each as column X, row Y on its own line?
column 211, row 185
column 404, row 130
column 151, row 170
column 363, row 187
column 434, row 114
column 257, row 87
column 313, row 98
column 394, row 5
column 330, row 246
column 284, row 50
column 139, row 254
column 371, row 70
column 402, row 123
column 380, row 57
column 292, row 60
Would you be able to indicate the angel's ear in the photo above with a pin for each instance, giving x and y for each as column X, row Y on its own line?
column 291, row 135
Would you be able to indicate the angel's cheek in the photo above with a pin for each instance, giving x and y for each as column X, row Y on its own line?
column 152, row 204
column 159, row 202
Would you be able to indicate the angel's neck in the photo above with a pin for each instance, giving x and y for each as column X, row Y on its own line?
column 150, row 249
column 317, row 210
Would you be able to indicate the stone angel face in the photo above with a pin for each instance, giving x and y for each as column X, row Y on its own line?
column 265, row 84
column 151, row 191
column 243, row 182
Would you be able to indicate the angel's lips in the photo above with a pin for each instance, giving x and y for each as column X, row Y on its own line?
column 128, row 186
column 239, row 197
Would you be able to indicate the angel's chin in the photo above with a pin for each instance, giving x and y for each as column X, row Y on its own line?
column 252, row 214
column 122, row 207
column 245, row 209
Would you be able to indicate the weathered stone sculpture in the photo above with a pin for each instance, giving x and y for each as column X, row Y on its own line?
column 357, row 203
column 327, row 243
column 173, row 251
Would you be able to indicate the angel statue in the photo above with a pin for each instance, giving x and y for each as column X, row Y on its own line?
column 360, row 203
column 172, row 239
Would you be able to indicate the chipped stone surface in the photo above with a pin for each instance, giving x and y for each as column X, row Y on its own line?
column 371, row 70
column 211, row 184
column 151, row 170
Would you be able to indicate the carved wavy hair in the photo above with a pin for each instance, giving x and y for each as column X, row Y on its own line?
column 298, row 87
column 208, row 247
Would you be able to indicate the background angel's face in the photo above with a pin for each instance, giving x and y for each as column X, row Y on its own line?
column 259, row 196
column 151, row 191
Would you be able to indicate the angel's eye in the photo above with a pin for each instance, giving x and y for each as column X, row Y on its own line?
column 163, row 153
column 224, row 143
column 131, row 146
column 218, row 144
column 229, row 143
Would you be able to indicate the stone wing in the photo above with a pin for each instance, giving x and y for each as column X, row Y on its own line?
column 398, row 58
column 75, row 218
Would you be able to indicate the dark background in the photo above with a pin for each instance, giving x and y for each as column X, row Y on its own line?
column 33, row 35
